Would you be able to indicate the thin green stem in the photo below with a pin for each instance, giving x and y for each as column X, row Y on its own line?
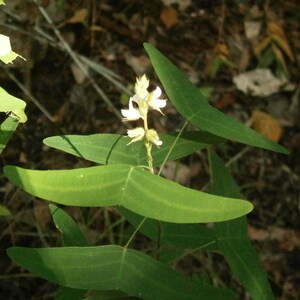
column 191, row 252
column 148, row 146
column 171, row 148
column 135, row 232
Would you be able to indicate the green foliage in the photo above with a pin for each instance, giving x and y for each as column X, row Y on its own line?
column 12, row 106
column 162, row 210
column 7, row 129
column 70, row 233
column 131, row 187
column 190, row 102
column 114, row 148
column 4, row 212
column 15, row 109
column 233, row 239
column 113, row 267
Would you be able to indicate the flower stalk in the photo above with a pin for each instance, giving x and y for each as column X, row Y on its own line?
column 138, row 108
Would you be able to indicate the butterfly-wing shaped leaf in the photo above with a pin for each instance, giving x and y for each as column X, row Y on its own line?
column 114, row 148
column 233, row 239
column 191, row 104
column 113, row 268
column 131, row 187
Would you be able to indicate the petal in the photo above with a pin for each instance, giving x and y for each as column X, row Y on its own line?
column 141, row 87
column 130, row 114
column 156, row 93
column 152, row 136
column 154, row 102
column 5, row 45
column 137, row 99
column 160, row 103
column 136, row 134
column 157, row 142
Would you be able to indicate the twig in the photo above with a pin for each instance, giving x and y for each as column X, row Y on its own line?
column 29, row 95
column 75, row 58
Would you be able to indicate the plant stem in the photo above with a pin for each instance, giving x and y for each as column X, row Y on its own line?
column 148, row 146
column 135, row 232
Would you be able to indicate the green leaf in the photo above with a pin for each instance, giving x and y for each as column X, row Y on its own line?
column 113, row 148
column 188, row 236
column 190, row 102
column 109, row 295
column 7, row 129
column 233, row 239
column 113, row 267
column 9, row 102
column 66, row 293
column 4, row 212
column 71, row 234
column 131, row 187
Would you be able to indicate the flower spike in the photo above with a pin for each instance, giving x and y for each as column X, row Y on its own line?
column 143, row 101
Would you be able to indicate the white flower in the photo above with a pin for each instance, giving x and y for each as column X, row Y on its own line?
column 136, row 134
column 152, row 136
column 5, row 47
column 132, row 113
column 154, row 102
column 141, row 87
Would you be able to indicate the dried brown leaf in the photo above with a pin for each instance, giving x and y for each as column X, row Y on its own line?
column 261, row 46
column 279, row 56
column 169, row 17
column 267, row 125
column 79, row 16
column 288, row 239
column 278, row 35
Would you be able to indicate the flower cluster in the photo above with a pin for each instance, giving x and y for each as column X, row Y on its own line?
column 138, row 108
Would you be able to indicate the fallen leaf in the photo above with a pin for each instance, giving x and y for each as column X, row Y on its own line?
column 278, row 35
column 140, row 64
column 262, row 45
column 261, row 82
column 252, row 29
column 224, row 101
column 79, row 16
column 279, row 56
column 288, row 239
column 266, row 125
column 169, row 17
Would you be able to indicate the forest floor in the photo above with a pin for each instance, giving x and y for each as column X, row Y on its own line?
column 212, row 42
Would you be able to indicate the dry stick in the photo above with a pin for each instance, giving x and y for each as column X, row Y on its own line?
column 222, row 20
column 77, row 61
column 44, row 37
column 30, row 96
column 106, row 73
